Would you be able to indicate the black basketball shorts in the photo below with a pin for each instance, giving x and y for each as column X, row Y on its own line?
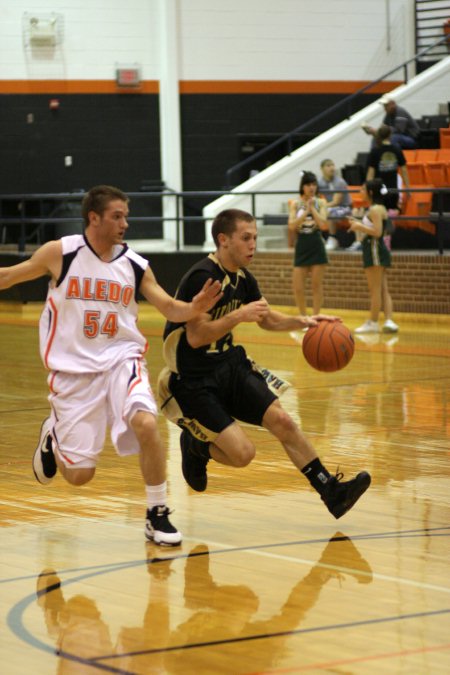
column 233, row 391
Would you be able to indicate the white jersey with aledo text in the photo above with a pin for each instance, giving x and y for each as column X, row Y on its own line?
column 89, row 320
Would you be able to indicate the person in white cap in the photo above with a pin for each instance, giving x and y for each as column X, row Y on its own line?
column 405, row 130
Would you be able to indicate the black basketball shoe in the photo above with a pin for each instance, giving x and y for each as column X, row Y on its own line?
column 194, row 459
column 44, row 464
column 339, row 496
column 159, row 529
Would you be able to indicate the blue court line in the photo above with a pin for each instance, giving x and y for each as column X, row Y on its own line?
column 14, row 619
column 15, row 615
column 104, row 566
column 428, row 531
column 15, row 623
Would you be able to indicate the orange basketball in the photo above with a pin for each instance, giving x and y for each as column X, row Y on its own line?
column 329, row 346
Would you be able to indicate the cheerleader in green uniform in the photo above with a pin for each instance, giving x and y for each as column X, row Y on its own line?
column 376, row 257
column 307, row 217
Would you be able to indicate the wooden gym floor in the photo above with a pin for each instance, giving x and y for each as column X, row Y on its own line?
column 266, row 581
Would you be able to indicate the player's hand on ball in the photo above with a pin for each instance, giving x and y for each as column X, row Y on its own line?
column 307, row 321
column 326, row 317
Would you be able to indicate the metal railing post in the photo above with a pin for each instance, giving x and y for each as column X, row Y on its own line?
column 20, row 222
column 22, row 234
column 177, row 216
column 440, row 225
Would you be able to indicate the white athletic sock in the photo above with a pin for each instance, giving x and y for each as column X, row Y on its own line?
column 156, row 495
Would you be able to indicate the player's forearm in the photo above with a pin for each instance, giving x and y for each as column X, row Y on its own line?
column 17, row 274
column 5, row 281
column 174, row 310
column 204, row 333
column 178, row 311
column 276, row 321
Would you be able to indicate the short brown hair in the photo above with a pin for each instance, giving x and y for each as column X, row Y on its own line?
column 98, row 198
column 226, row 222
column 383, row 133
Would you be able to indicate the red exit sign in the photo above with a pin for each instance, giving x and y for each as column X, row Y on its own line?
column 128, row 77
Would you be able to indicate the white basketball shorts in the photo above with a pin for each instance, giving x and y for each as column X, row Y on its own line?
column 84, row 405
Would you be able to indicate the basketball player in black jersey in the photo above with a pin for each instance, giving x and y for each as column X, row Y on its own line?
column 210, row 383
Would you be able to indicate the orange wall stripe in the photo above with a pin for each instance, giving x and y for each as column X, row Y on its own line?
column 281, row 87
column 74, row 87
column 194, row 87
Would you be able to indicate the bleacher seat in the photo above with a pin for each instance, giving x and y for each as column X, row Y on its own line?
column 417, row 173
column 436, row 173
column 434, row 121
column 429, row 138
column 443, row 155
column 425, row 155
column 357, row 200
column 410, row 155
column 444, row 137
column 418, row 204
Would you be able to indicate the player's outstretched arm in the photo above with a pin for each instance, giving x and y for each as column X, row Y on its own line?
column 177, row 310
column 278, row 321
column 45, row 261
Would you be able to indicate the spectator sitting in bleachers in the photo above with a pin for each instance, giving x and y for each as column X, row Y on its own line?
column 405, row 130
column 338, row 203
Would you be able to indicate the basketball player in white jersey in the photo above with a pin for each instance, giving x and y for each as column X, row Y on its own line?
column 94, row 352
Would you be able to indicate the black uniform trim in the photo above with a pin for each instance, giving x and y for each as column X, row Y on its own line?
column 66, row 263
column 138, row 276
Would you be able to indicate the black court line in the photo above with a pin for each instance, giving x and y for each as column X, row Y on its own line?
column 266, row 636
column 94, row 662
column 15, row 615
column 20, row 410
column 106, row 567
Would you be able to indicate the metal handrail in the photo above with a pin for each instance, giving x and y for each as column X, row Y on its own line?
column 22, row 220
column 340, row 104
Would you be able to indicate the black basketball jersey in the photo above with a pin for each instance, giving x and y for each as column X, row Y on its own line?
column 238, row 289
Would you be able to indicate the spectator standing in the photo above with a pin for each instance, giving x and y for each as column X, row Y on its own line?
column 385, row 161
column 307, row 217
column 376, row 257
column 337, row 197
